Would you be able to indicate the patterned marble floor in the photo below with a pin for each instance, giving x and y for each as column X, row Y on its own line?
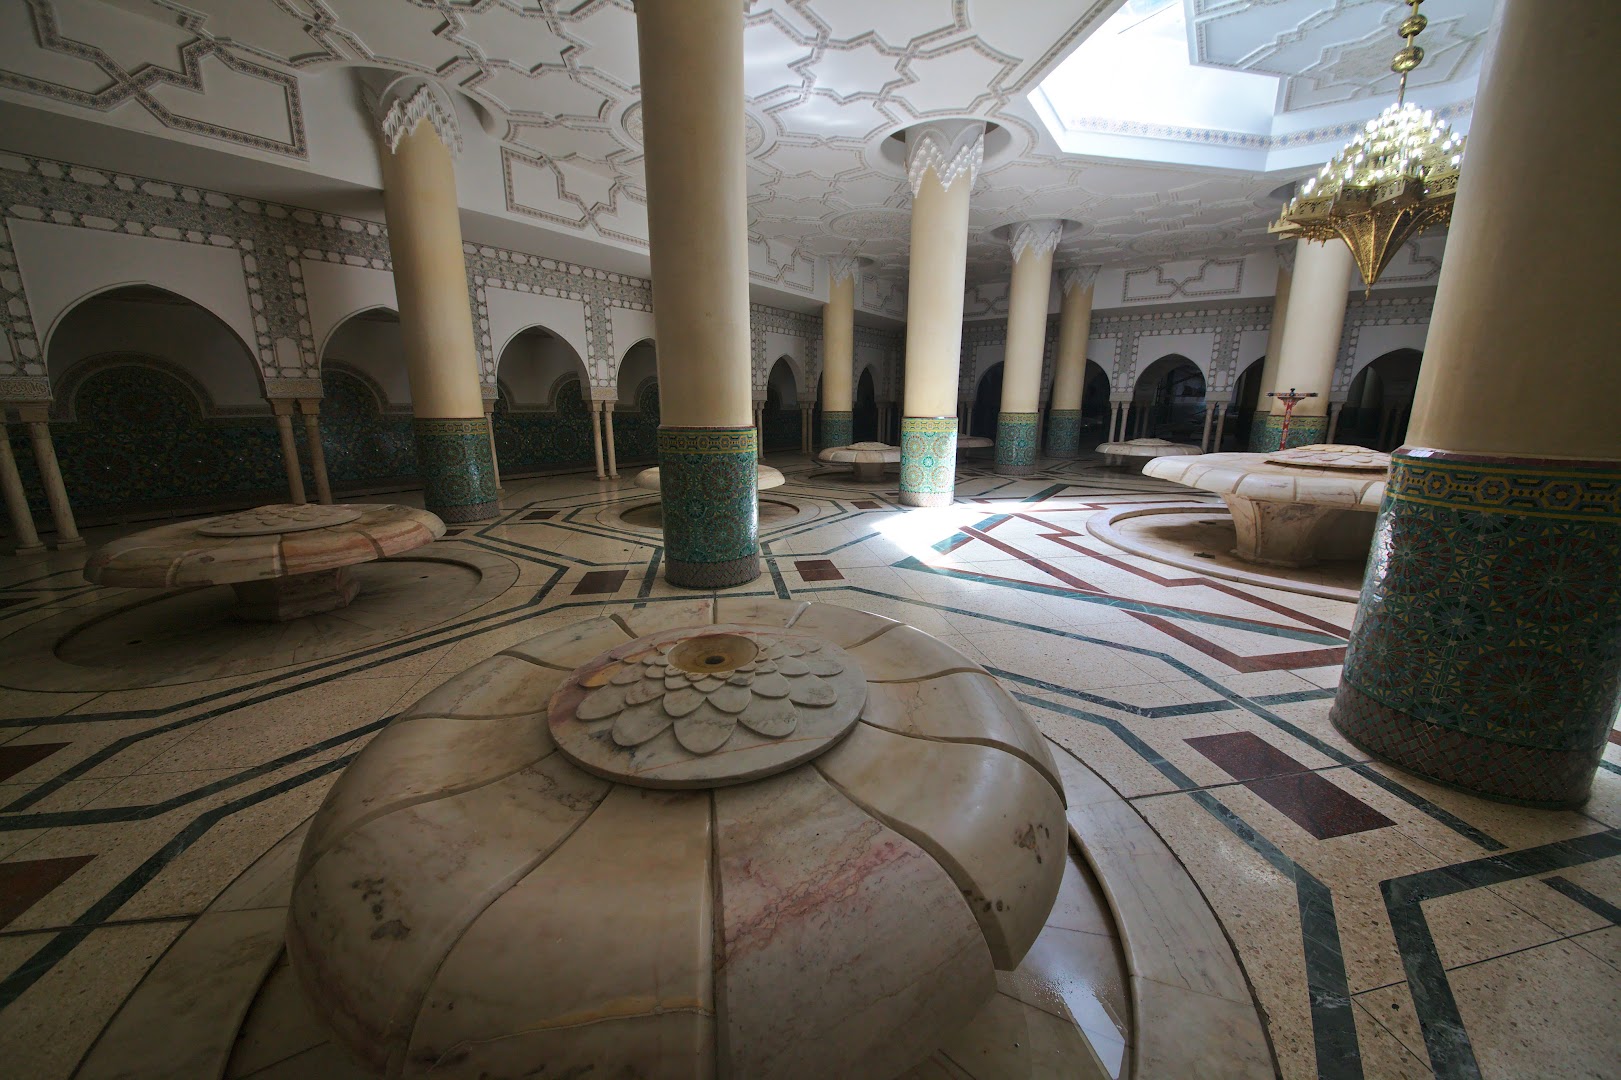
column 1382, row 926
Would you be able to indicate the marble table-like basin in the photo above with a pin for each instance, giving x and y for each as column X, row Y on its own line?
column 1135, row 453
column 868, row 459
column 285, row 560
column 973, row 442
column 1292, row 507
column 769, row 478
column 759, row 838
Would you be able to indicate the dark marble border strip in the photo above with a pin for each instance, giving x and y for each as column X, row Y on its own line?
column 1596, row 904
column 1452, row 1055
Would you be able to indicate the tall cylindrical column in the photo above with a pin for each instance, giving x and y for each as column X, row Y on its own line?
column 1274, row 343
column 1308, row 346
column 838, row 353
column 50, row 474
column 283, row 410
column 436, row 323
column 942, row 160
column 692, row 120
column 1069, row 364
column 1033, row 243
column 608, row 439
column 22, row 518
column 311, row 408
column 1487, row 648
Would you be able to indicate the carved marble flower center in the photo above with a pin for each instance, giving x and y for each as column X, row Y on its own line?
column 704, row 686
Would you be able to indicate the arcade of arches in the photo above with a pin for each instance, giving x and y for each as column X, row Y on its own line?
column 449, row 624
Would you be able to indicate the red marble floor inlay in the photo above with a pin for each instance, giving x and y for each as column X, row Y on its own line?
column 17, row 757
column 600, row 581
column 540, row 515
column 866, row 504
column 23, row 884
column 1306, row 798
column 818, row 570
column 1615, row 736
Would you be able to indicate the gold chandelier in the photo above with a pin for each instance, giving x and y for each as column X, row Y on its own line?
column 1395, row 179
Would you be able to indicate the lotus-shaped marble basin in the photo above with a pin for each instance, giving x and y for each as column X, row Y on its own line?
column 741, row 837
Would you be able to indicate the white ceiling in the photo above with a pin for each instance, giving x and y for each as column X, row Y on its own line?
column 828, row 81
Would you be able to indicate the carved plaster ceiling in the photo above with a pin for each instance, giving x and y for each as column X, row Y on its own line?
column 828, row 83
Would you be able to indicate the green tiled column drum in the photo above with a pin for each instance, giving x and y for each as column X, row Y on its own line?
column 707, row 481
column 458, row 477
column 1016, row 443
column 1487, row 646
column 928, row 460
column 838, row 429
column 1267, row 430
column 1064, row 433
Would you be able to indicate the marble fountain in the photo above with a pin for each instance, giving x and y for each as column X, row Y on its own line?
column 769, row 478
column 1300, row 519
column 284, row 561
column 1134, row 454
column 867, row 460
column 787, row 840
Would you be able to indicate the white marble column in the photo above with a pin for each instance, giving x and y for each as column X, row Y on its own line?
column 495, row 463
column 1209, row 418
column 283, row 410
column 608, row 439
column 37, row 417
column 596, row 438
column 1069, row 361
column 1309, row 344
column 22, row 518
column 942, row 161
column 1018, row 417
column 311, row 408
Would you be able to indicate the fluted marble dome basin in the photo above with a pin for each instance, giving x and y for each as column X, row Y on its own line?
column 752, row 838
column 1135, row 453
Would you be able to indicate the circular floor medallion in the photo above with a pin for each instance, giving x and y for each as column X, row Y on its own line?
column 280, row 518
column 707, row 706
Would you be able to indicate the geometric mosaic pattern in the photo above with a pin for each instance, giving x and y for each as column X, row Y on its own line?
column 1015, row 442
column 708, row 484
column 1266, row 432
column 1487, row 647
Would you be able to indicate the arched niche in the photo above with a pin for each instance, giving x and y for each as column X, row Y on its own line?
column 370, row 341
column 159, row 407
column 636, row 413
column 535, row 363
column 367, row 438
column 782, row 402
column 1379, row 399
column 1170, row 395
column 864, row 408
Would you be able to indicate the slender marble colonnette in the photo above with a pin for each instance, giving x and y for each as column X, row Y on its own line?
column 457, row 468
column 1487, row 646
column 1016, row 443
column 928, row 460
column 707, row 477
column 1064, row 433
column 838, row 428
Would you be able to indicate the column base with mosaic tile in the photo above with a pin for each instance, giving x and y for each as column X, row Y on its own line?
column 1487, row 648
column 928, row 460
column 1016, row 443
column 1266, row 433
column 458, row 473
column 1064, row 433
column 707, row 479
column 838, row 429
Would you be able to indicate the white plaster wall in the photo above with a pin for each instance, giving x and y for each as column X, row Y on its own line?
column 186, row 336
column 376, row 348
column 512, row 312
column 1374, row 341
column 1182, row 281
column 62, row 265
column 532, row 364
column 336, row 291
column 627, row 327
column 640, row 364
column 797, row 349
column 1197, row 347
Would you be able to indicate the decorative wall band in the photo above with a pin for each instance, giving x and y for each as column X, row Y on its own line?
column 707, row 480
column 453, row 459
column 1566, row 491
column 1487, row 646
column 928, row 460
column 1016, row 442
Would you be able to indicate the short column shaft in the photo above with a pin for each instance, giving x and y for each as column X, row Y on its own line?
column 312, row 438
column 22, row 518
column 283, row 410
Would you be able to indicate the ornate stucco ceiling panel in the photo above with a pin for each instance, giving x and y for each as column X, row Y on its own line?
column 769, row 54
column 865, row 69
column 960, row 78
column 817, row 114
column 403, row 35
column 895, row 23
column 128, row 43
column 607, row 32
column 524, row 39
column 793, row 159
column 269, row 31
column 549, row 93
column 597, row 144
